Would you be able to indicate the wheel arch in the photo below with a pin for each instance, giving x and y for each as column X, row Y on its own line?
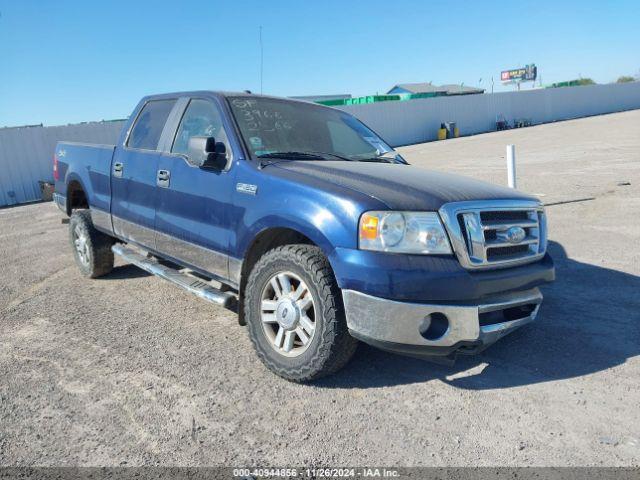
column 269, row 238
column 76, row 195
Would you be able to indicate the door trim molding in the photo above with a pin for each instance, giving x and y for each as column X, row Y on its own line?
column 211, row 261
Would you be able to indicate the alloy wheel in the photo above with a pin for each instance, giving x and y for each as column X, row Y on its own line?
column 287, row 313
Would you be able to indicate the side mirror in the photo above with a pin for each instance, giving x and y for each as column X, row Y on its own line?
column 205, row 152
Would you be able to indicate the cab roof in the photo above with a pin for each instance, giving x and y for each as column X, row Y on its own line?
column 217, row 93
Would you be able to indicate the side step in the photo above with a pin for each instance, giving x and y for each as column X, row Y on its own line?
column 187, row 282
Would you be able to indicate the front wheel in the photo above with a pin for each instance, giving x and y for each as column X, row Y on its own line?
column 294, row 312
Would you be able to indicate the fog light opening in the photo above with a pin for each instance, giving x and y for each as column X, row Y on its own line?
column 434, row 326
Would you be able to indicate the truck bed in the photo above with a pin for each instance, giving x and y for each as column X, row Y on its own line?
column 90, row 166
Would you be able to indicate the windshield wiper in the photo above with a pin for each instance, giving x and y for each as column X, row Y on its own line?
column 296, row 155
column 334, row 155
column 384, row 157
column 293, row 155
column 286, row 156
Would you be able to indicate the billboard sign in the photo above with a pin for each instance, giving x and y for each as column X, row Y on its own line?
column 524, row 74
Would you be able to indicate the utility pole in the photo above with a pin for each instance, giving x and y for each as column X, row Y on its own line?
column 261, row 59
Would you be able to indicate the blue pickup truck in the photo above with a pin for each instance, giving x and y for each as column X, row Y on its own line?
column 307, row 222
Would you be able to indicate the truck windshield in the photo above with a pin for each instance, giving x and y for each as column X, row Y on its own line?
column 274, row 128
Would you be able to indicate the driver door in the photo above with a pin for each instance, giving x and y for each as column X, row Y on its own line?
column 193, row 204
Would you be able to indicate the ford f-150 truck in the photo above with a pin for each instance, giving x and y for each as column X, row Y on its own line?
column 311, row 224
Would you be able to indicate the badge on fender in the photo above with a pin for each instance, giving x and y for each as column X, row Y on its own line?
column 246, row 188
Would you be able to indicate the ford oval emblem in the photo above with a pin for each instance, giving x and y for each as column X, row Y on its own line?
column 515, row 235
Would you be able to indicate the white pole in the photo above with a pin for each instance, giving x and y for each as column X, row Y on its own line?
column 511, row 165
column 261, row 59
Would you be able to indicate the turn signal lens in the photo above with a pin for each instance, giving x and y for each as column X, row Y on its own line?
column 369, row 227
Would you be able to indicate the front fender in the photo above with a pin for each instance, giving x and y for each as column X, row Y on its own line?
column 326, row 213
column 329, row 225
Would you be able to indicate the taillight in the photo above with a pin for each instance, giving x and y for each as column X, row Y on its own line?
column 56, row 174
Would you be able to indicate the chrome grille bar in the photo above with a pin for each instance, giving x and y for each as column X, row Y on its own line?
column 496, row 233
column 501, row 244
column 498, row 224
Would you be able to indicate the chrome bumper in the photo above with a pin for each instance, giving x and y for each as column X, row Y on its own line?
column 438, row 329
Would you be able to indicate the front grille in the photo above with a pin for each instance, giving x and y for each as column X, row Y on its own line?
column 503, row 215
column 490, row 235
column 501, row 253
column 499, row 233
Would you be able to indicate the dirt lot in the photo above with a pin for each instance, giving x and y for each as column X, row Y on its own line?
column 129, row 370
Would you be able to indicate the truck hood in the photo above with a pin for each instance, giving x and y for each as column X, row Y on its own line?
column 402, row 187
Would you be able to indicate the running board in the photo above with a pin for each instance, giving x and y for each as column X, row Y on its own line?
column 193, row 285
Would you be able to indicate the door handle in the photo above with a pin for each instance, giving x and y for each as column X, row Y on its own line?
column 118, row 168
column 163, row 178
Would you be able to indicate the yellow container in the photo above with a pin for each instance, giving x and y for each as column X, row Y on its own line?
column 456, row 132
column 442, row 134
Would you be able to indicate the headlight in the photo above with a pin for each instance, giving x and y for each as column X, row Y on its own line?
column 403, row 232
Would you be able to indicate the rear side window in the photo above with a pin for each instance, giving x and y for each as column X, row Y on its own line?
column 149, row 124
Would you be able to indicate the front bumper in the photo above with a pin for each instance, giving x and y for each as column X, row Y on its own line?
column 438, row 329
column 432, row 279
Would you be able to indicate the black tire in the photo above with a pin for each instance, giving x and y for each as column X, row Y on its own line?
column 98, row 259
column 331, row 346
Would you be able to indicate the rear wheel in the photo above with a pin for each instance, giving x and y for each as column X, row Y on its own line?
column 91, row 248
column 294, row 311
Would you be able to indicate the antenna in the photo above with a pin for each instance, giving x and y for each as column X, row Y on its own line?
column 261, row 59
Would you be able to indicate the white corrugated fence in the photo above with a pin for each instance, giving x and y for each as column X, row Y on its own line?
column 26, row 153
column 416, row 121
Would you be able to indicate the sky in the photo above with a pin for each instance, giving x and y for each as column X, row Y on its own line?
column 73, row 61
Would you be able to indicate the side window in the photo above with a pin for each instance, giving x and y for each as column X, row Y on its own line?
column 201, row 119
column 149, row 124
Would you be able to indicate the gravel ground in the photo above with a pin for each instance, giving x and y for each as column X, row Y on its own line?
column 129, row 370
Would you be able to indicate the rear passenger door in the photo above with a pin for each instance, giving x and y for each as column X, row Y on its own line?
column 134, row 174
column 193, row 207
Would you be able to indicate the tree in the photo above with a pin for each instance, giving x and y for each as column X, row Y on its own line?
column 625, row 79
column 573, row 83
